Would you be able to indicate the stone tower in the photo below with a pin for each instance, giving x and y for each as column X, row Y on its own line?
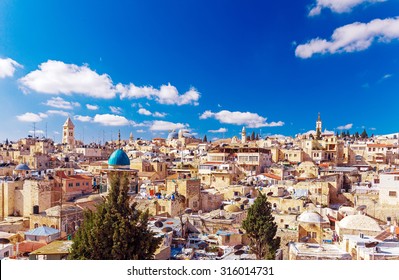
column 243, row 135
column 68, row 133
column 318, row 124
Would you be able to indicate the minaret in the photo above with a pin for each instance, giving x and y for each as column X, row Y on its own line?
column 68, row 133
column 131, row 139
column 243, row 135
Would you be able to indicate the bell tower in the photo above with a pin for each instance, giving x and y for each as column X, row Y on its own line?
column 68, row 133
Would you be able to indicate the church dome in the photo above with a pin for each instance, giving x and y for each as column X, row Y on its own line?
column 311, row 217
column 173, row 135
column 359, row 222
column 119, row 157
column 22, row 167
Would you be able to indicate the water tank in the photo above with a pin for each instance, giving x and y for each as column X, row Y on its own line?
column 35, row 209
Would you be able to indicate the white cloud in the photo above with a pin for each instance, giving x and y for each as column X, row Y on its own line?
column 115, row 110
column 140, row 131
column 58, row 102
column 338, row 6
column 165, row 126
column 145, row 112
column 159, row 115
column 220, row 130
column 345, row 127
column 92, row 107
column 386, row 76
column 8, row 67
column 352, row 37
column 167, row 94
column 57, row 112
column 31, row 117
column 56, row 132
column 251, row 120
column 57, row 77
column 110, row 120
column 83, row 118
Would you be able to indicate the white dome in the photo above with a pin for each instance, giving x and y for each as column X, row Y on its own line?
column 359, row 222
column 311, row 217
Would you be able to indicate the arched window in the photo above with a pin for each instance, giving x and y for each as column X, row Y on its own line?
column 36, row 225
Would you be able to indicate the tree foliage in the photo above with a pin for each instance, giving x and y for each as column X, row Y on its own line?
column 364, row 134
column 205, row 140
column 253, row 136
column 261, row 229
column 116, row 230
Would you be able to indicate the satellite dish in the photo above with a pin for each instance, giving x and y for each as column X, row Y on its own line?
column 361, row 208
column 167, row 229
column 4, row 241
column 304, row 239
column 238, row 247
column 239, row 252
column 371, row 244
column 158, row 224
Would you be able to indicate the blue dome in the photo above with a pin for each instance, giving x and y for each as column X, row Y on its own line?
column 22, row 166
column 119, row 157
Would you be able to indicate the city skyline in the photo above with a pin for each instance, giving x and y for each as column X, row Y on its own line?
column 212, row 68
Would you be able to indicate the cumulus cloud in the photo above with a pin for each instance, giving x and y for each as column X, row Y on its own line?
column 83, row 118
column 220, row 130
column 31, row 117
column 58, row 102
column 166, row 94
column 143, row 111
column 140, row 131
column 92, row 107
column 110, row 120
column 345, row 127
column 166, row 126
column 115, row 110
column 57, row 112
column 338, row 6
column 251, row 120
column 352, row 38
column 8, row 67
column 57, row 77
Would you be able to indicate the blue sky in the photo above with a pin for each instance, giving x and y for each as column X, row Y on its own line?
column 210, row 66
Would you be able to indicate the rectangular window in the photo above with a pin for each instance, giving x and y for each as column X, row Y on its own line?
column 78, row 184
column 392, row 194
column 396, row 178
column 70, row 185
column 314, row 235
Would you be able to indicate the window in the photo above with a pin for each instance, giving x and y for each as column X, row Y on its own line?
column 36, row 225
column 396, row 178
column 6, row 254
column 70, row 185
column 314, row 235
column 78, row 184
column 392, row 194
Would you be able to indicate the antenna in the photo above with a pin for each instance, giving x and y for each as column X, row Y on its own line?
column 46, row 130
column 119, row 139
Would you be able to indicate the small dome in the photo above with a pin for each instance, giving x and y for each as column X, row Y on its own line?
column 311, row 217
column 359, row 222
column 173, row 135
column 119, row 157
column 22, row 166
column 232, row 208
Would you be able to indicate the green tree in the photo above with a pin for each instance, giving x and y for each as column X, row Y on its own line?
column 261, row 229
column 356, row 135
column 257, row 137
column 343, row 134
column 205, row 140
column 253, row 136
column 364, row 134
column 116, row 230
